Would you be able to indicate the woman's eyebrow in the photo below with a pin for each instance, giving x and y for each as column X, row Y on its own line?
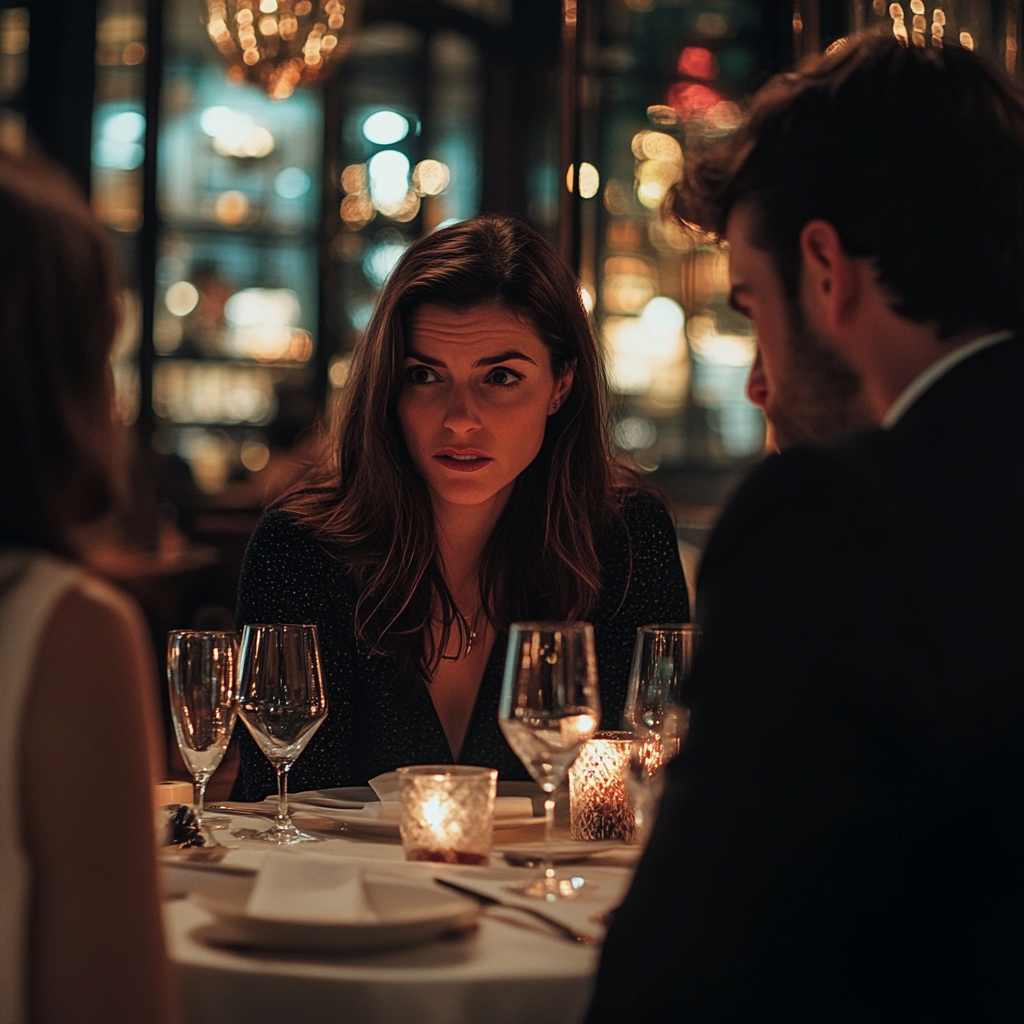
column 421, row 358
column 501, row 357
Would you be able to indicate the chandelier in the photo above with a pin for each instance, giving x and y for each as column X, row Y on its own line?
column 282, row 44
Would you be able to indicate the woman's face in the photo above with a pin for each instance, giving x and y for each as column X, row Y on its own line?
column 477, row 394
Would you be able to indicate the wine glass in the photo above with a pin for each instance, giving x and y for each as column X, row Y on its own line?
column 202, row 680
column 282, row 702
column 655, row 712
column 549, row 708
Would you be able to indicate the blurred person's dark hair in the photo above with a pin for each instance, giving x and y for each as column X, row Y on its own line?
column 58, row 317
column 915, row 156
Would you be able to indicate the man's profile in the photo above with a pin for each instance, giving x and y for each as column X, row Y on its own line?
column 843, row 836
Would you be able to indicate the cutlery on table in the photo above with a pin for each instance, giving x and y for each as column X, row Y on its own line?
column 564, row 929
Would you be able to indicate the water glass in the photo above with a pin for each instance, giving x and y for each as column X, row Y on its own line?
column 202, row 680
column 549, row 708
column 655, row 710
column 282, row 702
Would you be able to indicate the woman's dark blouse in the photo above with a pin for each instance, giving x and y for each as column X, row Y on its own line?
column 376, row 721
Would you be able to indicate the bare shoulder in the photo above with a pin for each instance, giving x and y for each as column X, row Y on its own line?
column 93, row 676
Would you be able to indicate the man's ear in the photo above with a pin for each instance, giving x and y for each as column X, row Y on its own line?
column 830, row 282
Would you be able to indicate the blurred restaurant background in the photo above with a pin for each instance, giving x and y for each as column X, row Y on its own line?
column 261, row 165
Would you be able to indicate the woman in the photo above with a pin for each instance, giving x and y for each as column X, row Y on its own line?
column 468, row 485
column 80, row 929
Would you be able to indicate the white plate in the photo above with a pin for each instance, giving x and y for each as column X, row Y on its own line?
column 408, row 913
column 367, row 820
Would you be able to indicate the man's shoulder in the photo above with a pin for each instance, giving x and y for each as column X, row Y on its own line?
column 803, row 482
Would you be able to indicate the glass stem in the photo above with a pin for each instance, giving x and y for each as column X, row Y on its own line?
column 549, row 835
column 199, row 799
column 283, row 821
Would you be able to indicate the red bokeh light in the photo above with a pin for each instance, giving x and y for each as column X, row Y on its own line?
column 697, row 62
column 689, row 100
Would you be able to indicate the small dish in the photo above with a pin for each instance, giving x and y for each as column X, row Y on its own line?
column 376, row 819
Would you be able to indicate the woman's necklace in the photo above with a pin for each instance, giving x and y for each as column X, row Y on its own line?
column 469, row 628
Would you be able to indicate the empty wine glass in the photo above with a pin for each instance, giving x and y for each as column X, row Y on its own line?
column 549, row 708
column 655, row 712
column 282, row 702
column 202, row 680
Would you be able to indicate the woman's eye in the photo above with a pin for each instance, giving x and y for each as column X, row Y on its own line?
column 420, row 375
column 503, row 377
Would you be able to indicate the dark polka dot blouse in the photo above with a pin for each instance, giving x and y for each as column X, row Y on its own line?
column 376, row 721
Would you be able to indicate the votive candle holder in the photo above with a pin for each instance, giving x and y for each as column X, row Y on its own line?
column 447, row 813
column 599, row 806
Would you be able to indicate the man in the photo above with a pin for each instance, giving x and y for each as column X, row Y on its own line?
column 843, row 836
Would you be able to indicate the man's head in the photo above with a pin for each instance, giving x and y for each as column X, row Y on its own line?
column 904, row 164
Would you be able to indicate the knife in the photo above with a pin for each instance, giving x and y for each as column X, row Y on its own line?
column 564, row 929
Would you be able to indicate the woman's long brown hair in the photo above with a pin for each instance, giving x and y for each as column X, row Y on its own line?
column 366, row 503
column 59, row 465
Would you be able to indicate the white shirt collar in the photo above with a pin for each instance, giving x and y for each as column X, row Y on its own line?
column 922, row 382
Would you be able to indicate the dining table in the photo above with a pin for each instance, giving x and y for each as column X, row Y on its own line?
column 507, row 966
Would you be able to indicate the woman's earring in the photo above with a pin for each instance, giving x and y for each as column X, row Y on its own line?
column 554, row 405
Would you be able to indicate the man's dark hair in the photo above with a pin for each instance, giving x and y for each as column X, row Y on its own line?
column 914, row 155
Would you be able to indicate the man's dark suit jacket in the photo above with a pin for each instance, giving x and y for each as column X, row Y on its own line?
column 842, row 839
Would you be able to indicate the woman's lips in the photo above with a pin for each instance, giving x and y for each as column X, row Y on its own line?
column 466, row 461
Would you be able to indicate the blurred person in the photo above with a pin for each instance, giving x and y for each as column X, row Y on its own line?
column 467, row 484
column 80, row 928
column 843, row 836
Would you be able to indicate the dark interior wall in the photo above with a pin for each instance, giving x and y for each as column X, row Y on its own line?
column 61, row 77
column 521, row 90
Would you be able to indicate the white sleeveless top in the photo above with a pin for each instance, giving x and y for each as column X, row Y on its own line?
column 31, row 585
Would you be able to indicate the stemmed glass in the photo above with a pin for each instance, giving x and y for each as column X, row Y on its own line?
column 282, row 702
column 202, row 679
column 655, row 712
column 549, row 708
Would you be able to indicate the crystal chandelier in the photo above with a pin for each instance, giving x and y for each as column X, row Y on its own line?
column 282, row 44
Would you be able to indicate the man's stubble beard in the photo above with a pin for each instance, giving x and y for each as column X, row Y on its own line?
column 821, row 398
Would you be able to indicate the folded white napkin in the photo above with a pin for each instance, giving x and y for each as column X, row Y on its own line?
column 386, row 788
column 311, row 887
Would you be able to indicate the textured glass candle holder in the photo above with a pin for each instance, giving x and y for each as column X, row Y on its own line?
column 447, row 813
column 599, row 806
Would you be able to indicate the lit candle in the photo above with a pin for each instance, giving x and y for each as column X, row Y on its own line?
column 599, row 806
column 447, row 812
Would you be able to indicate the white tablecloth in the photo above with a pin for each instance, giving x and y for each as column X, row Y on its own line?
column 511, row 970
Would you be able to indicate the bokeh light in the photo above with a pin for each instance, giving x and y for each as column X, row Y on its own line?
column 231, row 208
column 634, row 433
column 389, row 178
column 119, row 146
column 380, row 260
column 353, row 178
column 254, row 455
column 385, row 128
column 689, row 99
column 181, row 298
column 662, row 316
column 590, row 180
column 235, row 133
column 698, row 62
column 357, row 211
column 430, row 177
column 292, row 183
